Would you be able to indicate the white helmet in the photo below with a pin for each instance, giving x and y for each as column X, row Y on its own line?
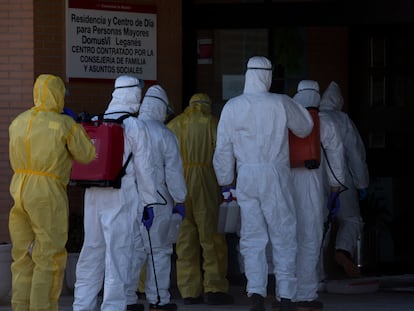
column 308, row 94
column 155, row 104
column 127, row 94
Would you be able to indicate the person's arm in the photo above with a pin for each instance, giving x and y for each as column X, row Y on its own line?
column 174, row 172
column 143, row 163
column 299, row 120
column 79, row 144
column 333, row 151
column 223, row 159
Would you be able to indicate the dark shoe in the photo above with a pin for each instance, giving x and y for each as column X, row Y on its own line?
column 168, row 306
column 287, row 305
column 343, row 258
column 141, row 295
column 309, row 305
column 276, row 305
column 257, row 302
column 219, row 298
column 193, row 300
column 135, row 307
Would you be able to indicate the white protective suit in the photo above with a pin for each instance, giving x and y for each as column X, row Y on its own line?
column 253, row 137
column 170, row 182
column 357, row 175
column 311, row 191
column 110, row 213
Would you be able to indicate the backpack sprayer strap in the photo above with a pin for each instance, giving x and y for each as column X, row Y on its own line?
column 117, row 181
column 126, row 114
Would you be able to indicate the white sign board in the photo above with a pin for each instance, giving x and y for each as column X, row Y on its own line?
column 105, row 40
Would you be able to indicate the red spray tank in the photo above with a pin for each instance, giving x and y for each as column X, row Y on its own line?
column 107, row 169
column 306, row 152
column 108, row 139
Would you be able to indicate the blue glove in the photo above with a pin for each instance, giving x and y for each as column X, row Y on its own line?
column 179, row 208
column 362, row 193
column 333, row 204
column 227, row 189
column 148, row 217
column 70, row 113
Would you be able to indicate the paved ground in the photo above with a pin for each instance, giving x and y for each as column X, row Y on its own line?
column 395, row 293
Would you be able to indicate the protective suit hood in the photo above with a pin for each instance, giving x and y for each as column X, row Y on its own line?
column 154, row 104
column 200, row 101
column 308, row 94
column 258, row 75
column 332, row 98
column 126, row 95
column 49, row 93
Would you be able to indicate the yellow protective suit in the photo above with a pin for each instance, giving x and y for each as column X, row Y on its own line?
column 43, row 144
column 196, row 130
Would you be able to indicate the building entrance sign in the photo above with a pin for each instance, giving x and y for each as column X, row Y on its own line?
column 105, row 40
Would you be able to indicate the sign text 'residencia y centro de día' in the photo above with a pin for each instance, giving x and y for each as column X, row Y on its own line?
column 105, row 40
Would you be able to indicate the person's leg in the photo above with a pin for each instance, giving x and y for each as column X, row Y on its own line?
column 49, row 218
column 22, row 237
column 138, row 258
column 279, row 210
column 347, row 236
column 118, row 226
column 158, row 267
column 91, row 262
column 253, row 241
column 309, row 215
column 189, row 279
column 214, row 245
column 350, row 227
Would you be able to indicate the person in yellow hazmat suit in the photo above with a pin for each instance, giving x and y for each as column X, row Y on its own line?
column 196, row 129
column 43, row 144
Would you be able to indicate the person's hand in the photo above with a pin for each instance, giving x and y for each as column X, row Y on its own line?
column 362, row 193
column 84, row 117
column 148, row 217
column 179, row 208
column 226, row 191
column 333, row 204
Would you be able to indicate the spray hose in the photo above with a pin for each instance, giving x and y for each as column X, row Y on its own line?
column 330, row 217
column 150, row 244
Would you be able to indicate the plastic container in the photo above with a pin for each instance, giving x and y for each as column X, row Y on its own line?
column 232, row 224
column 223, row 212
column 174, row 228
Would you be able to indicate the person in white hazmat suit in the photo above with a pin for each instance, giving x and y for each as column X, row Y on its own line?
column 253, row 138
column 170, row 183
column 356, row 179
column 311, row 191
column 109, row 213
